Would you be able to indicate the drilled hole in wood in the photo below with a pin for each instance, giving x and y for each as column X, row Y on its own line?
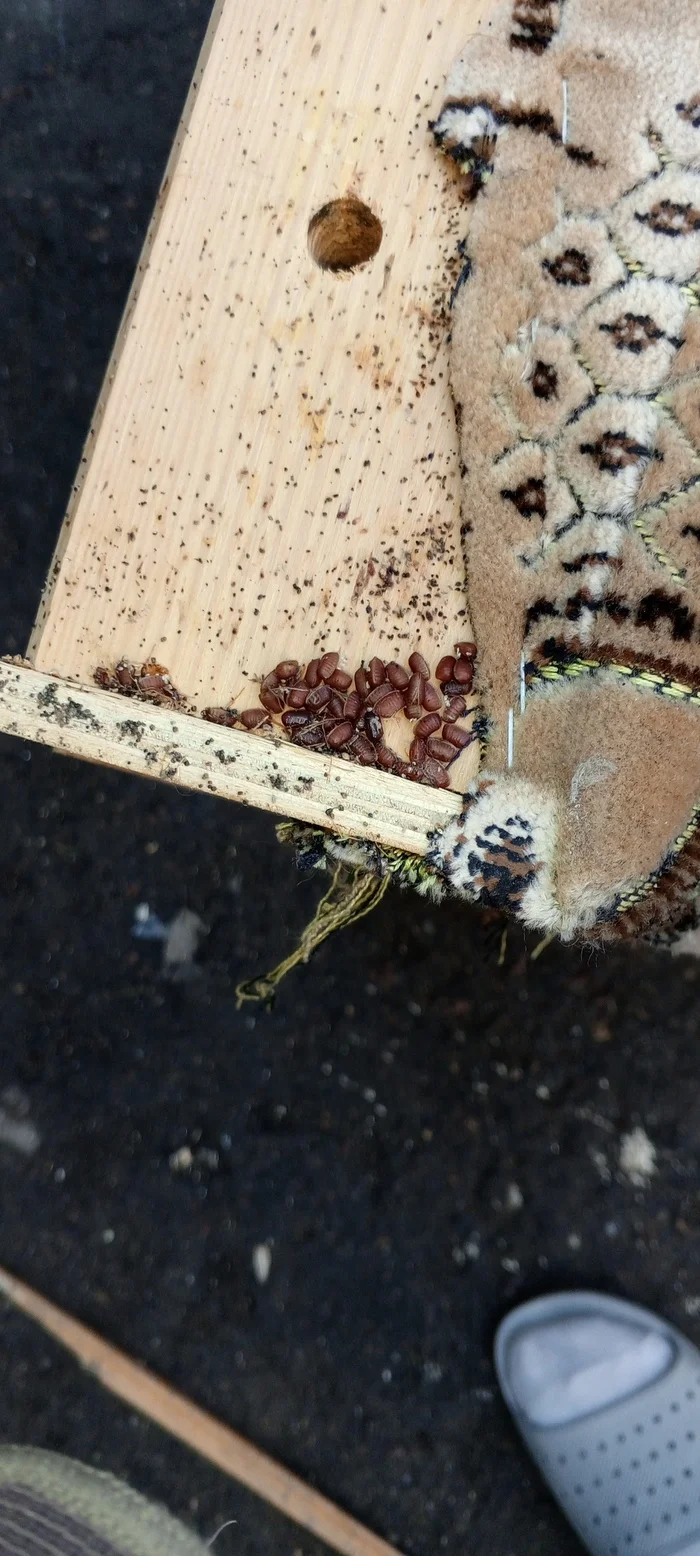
column 344, row 233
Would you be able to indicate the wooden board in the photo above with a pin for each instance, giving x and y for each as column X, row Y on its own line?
column 262, row 770
column 272, row 470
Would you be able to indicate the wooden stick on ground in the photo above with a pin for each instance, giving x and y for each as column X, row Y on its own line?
column 176, row 1414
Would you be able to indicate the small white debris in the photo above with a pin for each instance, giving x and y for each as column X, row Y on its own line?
column 180, row 938
column 692, row 1306
column 386, row 1374
column 16, row 1128
column 262, row 1262
column 108, row 1235
column 414, row 1009
column 183, row 938
column 574, row 1241
column 463, row 1251
column 432, row 1371
column 147, row 925
column 511, row 1265
column 181, row 1160
column 544, row 1093
column 514, row 1198
column 600, row 1160
column 637, row 1157
column 185, row 1158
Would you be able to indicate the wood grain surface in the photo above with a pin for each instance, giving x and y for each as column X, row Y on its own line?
column 273, row 466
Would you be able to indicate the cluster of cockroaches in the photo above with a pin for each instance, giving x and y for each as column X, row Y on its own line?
column 151, row 681
column 326, row 709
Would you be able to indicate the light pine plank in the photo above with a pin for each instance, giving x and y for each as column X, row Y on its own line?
column 273, row 467
column 179, row 748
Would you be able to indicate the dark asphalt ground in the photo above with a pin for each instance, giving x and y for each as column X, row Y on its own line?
column 421, row 1136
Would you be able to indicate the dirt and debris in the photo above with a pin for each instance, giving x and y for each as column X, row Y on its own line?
column 150, row 682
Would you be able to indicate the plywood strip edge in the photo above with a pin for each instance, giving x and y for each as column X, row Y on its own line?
column 259, row 770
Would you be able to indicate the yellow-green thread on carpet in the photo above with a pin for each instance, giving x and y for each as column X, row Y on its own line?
column 661, row 556
column 644, row 888
column 346, row 901
column 664, row 685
